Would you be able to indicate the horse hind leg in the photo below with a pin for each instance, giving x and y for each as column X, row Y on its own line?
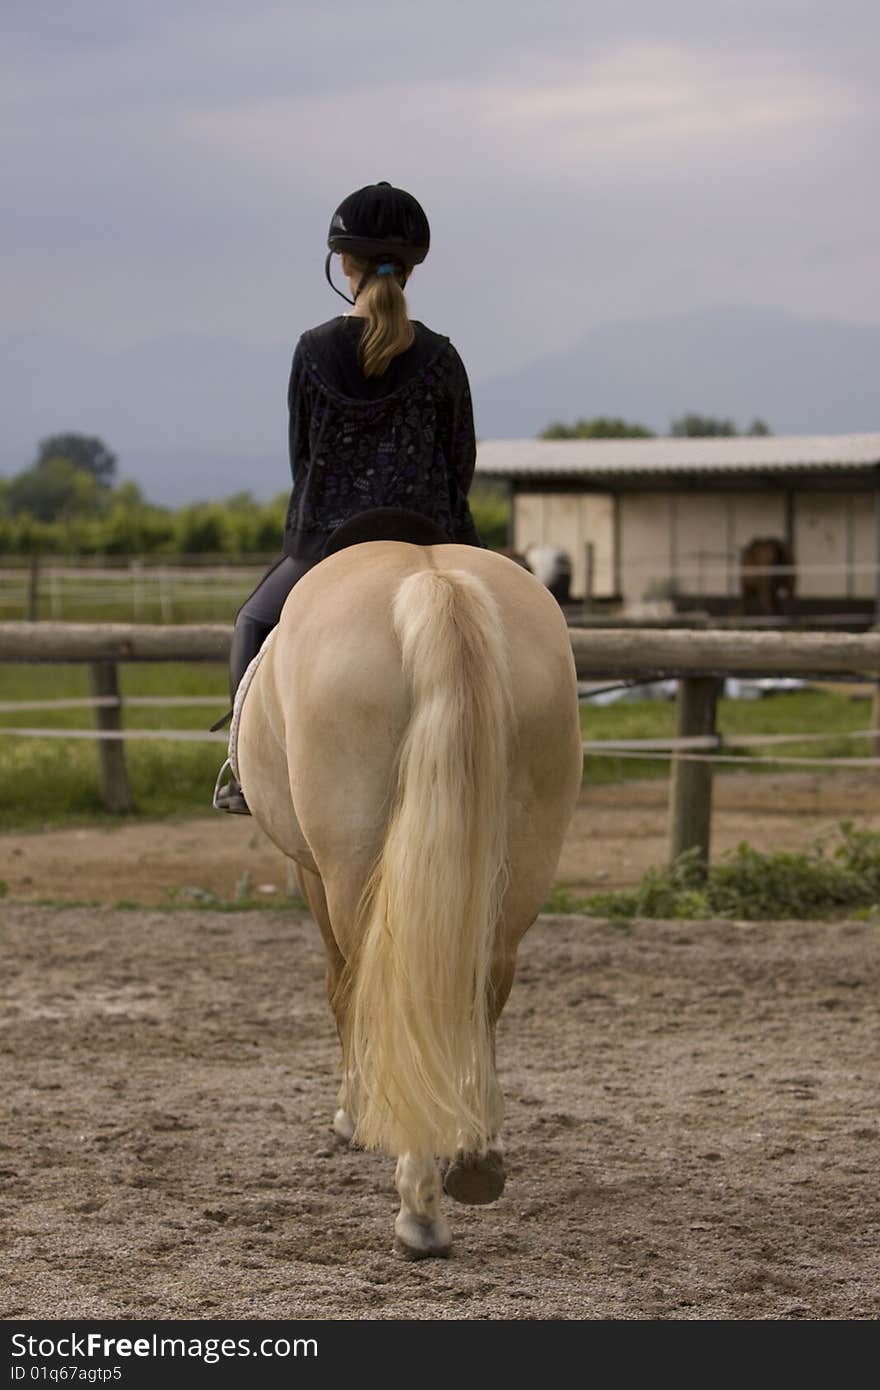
column 312, row 888
column 476, row 1179
column 345, row 1119
column 420, row 1230
column 343, row 1124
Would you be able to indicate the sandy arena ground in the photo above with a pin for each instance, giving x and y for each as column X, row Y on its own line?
column 692, row 1118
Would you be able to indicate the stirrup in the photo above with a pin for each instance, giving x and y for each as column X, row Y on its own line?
column 216, row 802
column 230, row 797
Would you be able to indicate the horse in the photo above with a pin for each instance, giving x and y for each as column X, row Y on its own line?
column 553, row 567
column 767, row 579
column 411, row 740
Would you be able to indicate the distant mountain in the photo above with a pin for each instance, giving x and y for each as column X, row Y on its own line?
column 194, row 417
column 802, row 376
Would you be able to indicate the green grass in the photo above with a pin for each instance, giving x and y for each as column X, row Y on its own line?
column 790, row 712
column 750, row 886
column 55, row 782
column 199, row 600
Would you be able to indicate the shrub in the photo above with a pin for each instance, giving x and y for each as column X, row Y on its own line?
column 753, row 886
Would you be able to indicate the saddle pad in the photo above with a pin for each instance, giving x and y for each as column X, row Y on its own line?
column 238, row 702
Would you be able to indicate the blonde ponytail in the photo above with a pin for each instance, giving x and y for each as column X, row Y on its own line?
column 388, row 330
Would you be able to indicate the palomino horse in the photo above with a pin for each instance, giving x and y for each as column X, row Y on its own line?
column 411, row 740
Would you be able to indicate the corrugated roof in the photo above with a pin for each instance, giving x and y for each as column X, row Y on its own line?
column 573, row 458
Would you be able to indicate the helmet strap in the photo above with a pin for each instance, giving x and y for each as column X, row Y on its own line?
column 341, row 293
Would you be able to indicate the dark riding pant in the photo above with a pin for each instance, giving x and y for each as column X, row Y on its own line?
column 259, row 614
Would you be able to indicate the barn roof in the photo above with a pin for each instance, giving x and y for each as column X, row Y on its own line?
column 588, row 458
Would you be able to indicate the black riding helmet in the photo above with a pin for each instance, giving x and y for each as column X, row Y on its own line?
column 378, row 222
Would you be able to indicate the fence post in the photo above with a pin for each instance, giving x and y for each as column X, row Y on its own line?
column 33, row 598
column 164, row 595
column 54, row 596
column 690, row 791
column 589, row 577
column 111, row 751
column 136, row 572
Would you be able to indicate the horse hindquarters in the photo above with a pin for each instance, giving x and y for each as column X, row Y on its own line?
column 418, row 1033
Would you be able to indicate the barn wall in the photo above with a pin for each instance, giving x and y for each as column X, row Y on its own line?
column 570, row 521
column 754, row 516
column 647, row 545
column 701, row 534
column 823, row 526
column 690, row 542
column 863, row 543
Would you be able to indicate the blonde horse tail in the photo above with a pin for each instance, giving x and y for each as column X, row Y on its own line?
column 419, row 1041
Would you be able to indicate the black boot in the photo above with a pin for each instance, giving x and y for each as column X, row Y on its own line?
column 230, row 797
column 248, row 637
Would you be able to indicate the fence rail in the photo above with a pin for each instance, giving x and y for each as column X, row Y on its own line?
column 697, row 659
column 647, row 653
column 112, row 642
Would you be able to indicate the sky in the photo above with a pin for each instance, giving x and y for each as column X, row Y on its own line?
column 171, row 166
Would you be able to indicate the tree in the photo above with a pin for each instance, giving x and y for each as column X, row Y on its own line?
column 55, row 491
column 201, row 529
column 600, row 427
column 693, row 426
column 82, row 451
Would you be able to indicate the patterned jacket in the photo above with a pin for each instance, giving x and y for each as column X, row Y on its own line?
column 405, row 439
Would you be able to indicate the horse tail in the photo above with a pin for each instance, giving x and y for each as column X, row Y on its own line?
column 419, row 1040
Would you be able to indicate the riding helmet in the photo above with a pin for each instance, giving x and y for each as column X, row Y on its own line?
column 379, row 220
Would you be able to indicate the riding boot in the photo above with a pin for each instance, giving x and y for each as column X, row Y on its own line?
column 248, row 637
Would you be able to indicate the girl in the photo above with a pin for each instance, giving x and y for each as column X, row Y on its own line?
column 380, row 417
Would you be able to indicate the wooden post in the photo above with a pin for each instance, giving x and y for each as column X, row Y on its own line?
column 165, row 596
column 690, row 791
column 111, row 751
column 589, row 577
column 54, row 596
column 136, row 572
column 34, row 590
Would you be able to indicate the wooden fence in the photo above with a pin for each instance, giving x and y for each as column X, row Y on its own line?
column 698, row 660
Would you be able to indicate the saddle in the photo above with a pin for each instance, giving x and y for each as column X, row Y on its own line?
column 377, row 524
column 385, row 524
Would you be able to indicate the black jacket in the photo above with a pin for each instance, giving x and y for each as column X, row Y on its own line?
column 404, row 439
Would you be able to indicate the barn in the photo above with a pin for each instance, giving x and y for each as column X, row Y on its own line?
column 767, row 525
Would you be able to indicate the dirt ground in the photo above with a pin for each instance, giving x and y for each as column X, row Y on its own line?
column 692, row 1117
column 618, row 832
column 692, row 1128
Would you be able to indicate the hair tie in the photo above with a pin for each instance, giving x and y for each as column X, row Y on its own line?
column 386, row 269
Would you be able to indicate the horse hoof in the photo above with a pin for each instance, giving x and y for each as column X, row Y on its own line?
column 343, row 1126
column 475, row 1179
column 416, row 1241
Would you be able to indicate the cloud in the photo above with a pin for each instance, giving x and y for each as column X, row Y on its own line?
column 574, row 118
column 639, row 101
column 174, row 167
